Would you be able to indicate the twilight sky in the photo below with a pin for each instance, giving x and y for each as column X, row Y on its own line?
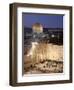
column 48, row 21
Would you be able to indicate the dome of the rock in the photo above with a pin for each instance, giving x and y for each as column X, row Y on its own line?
column 37, row 27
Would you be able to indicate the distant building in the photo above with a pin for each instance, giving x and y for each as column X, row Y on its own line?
column 38, row 34
column 37, row 27
column 41, row 35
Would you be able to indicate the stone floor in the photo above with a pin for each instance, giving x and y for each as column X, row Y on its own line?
column 46, row 66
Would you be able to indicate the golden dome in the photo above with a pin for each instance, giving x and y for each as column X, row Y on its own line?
column 37, row 27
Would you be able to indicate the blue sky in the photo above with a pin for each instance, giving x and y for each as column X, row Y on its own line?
column 48, row 20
